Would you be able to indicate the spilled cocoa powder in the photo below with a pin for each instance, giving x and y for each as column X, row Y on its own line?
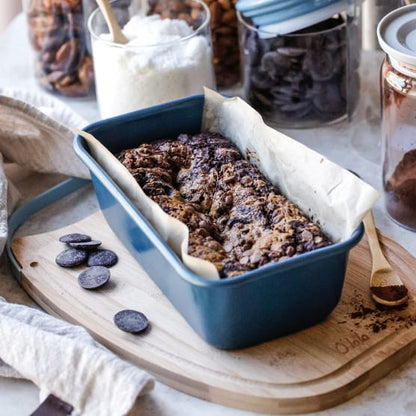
column 376, row 318
column 379, row 319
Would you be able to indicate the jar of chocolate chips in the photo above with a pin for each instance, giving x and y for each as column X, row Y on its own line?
column 397, row 37
column 57, row 34
column 300, row 64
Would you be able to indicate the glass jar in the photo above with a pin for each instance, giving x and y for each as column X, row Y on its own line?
column 372, row 12
column 57, row 34
column 165, row 59
column 398, row 92
column 224, row 28
column 301, row 79
column 224, row 32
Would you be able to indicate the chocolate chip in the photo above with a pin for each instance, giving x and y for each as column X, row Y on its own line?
column 301, row 107
column 94, row 277
column 87, row 245
column 131, row 321
column 71, row 257
column 329, row 100
column 53, row 405
column 74, row 238
column 269, row 63
column 262, row 99
column 102, row 257
column 320, row 65
column 262, row 81
column 291, row 52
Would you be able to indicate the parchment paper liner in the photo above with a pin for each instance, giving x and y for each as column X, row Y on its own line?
column 327, row 193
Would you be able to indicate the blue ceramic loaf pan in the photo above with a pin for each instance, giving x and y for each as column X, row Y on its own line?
column 232, row 313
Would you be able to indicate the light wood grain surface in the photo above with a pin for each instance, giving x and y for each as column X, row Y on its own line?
column 311, row 370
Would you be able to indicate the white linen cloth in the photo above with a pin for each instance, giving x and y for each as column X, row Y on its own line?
column 65, row 360
column 58, row 357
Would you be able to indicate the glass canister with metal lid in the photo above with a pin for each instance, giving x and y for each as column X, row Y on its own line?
column 300, row 62
column 397, row 37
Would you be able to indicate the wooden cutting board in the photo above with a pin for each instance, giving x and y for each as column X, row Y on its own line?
column 311, row 370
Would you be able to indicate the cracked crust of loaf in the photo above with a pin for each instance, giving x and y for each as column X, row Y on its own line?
column 236, row 218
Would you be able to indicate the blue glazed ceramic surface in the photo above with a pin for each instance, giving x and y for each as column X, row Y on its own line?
column 257, row 306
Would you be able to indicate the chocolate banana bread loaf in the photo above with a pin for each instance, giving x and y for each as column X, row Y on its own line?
column 236, row 218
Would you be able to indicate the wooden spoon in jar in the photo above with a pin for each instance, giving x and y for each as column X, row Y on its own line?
column 115, row 30
column 385, row 285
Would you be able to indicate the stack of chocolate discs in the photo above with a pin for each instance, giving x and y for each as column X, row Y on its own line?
column 84, row 250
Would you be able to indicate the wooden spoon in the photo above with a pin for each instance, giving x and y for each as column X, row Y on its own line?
column 107, row 11
column 385, row 285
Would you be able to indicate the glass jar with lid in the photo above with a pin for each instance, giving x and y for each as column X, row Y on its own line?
column 300, row 63
column 397, row 36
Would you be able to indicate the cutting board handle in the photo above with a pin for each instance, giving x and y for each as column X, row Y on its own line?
column 37, row 203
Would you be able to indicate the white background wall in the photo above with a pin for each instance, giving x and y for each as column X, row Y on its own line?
column 8, row 9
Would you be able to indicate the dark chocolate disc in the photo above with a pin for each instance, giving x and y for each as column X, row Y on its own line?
column 320, row 65
column 102, row 257
column 329, row 99
column 131, row 321
column 74, row 238
column 71, row 257
column 87, row 245
column 94, row 277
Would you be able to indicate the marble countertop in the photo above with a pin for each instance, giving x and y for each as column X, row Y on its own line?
column 353, row 145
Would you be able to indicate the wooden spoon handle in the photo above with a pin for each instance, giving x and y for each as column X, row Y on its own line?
column 379, row 261
column 115, row 30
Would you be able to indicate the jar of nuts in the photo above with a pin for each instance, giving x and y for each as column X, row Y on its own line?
column 58, row 37
column 224, row 32
column 224, row 29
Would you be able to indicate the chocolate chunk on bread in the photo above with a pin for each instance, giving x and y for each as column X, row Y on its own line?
column 236, row 218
